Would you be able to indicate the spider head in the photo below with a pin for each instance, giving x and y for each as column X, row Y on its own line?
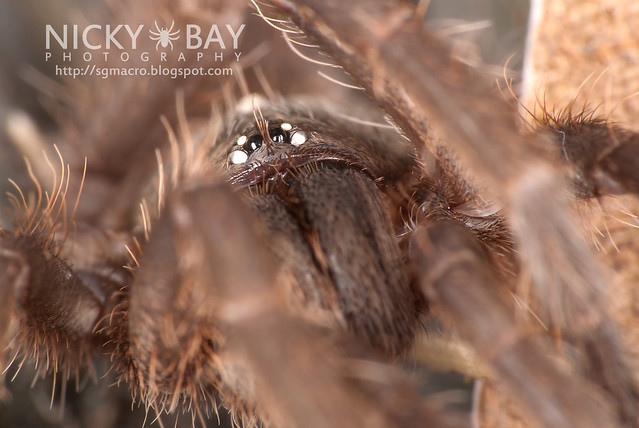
column 289, row 137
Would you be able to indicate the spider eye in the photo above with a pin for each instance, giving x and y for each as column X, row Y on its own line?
column 298, row 138
column 238, row 157
column 278, row 136
column 245, row 147
column 253, row 143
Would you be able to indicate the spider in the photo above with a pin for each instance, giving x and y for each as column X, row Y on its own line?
column 164, row 36
column 279, row 253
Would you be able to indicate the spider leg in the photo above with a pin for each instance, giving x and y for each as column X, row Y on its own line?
column 204, row 312
column 604, row 160
column 13, row 277
column 49, row 311
column 604, row 156
column 455, row 273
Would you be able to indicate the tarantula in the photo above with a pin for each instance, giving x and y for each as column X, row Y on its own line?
column 289, row 248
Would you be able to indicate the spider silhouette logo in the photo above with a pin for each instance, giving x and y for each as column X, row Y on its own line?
column 164, row 36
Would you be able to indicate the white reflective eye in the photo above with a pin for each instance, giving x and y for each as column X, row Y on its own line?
column 286, row 126
column 237, row 157
column 241, row 140
column 298, row 138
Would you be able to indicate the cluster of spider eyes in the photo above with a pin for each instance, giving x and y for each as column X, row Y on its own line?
column 246, row 145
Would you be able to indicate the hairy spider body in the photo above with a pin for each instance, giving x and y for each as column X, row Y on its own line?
column 323, row 164
column 288, row 251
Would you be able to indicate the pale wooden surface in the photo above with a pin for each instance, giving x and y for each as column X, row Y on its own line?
column 587, row 49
